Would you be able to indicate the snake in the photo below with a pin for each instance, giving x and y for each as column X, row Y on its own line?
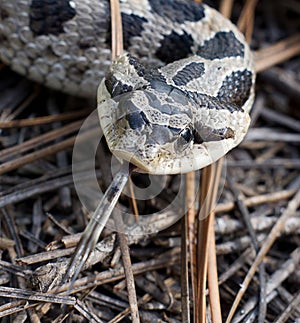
column 179, row 97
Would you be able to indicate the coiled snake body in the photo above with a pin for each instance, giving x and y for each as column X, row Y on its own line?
column 165, row 119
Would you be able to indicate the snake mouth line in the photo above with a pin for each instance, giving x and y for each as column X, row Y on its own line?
column 131, row 158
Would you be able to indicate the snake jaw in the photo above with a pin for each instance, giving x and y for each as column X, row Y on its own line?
column 160, row 130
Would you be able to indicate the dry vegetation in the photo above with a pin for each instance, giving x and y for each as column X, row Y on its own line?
column 257, row 217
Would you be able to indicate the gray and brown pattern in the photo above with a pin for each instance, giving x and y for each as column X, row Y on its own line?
column 164, row 118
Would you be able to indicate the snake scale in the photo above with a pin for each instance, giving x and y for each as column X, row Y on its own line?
column 178, row 100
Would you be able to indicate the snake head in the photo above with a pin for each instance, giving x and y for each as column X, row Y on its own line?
column 142, row 126
column 156, row 126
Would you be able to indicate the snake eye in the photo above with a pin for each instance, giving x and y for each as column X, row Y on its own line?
column 184, row 139
column 187, row 135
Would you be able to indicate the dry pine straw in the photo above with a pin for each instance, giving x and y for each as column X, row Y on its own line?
column 39, row 206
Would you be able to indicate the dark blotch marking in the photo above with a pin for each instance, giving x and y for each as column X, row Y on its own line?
column 154, row 77
column 137, row 120
column 188, row 73
column 48, row 16
column 115, row 87
column 223, row 44
column 235, row 89
column 204, row 101
column 140, row 69
column 233, row 94
column 178, row 11
column 174, row 47
column 132, row 26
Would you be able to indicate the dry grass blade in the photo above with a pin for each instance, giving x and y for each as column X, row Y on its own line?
column 226, row 8
column 214, row 295
column 277, row 53
column 133, row 201
column 202, row 245
column 185, row 295
column 210, row 180
column 210, row 194
column 188, row 247
column 246, row 20
column 116, row 29
column 212, row 277
column 117, row 49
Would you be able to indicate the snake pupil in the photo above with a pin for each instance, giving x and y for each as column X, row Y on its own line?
column 197, row 138
column 187, row 135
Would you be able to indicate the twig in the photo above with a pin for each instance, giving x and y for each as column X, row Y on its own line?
column 128, row 268
column 96, row 224
column 280, row 118
column 209, row 188
column 213, row 286
column 61, row 157
column 266, row 164
column 86, row 312
column 285, row 82
column 257, row 200
column 274, row 281
column 289, row 211
column 289, row 309
column 166, row 260
column 44, row 120
column 45, row 152
column 262, row 275
column 40, row 140
column 35, row 296
column 267, row 134
column 39, row 188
